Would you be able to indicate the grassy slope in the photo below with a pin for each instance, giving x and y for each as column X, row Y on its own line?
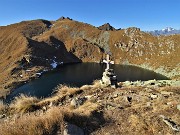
column 126, row 110
column 14, row 46
column 129, row 46
column 33, row 45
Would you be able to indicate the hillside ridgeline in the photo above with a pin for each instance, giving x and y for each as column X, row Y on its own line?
column 35, row 46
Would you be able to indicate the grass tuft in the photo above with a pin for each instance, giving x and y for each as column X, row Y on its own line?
column 24, row 104
column 2, row 107
column 47, row 124
column 96, row 84
column 60, row 92
column 82, row 110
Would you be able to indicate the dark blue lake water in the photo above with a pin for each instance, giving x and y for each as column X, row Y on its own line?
column 81, row 74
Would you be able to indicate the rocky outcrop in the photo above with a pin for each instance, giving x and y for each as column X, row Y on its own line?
column 106, row 27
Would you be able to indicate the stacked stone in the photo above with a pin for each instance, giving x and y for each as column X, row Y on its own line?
column 109, row 78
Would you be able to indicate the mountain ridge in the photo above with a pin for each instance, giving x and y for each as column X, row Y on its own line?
column 165, row 31
column 35, row 45
column 107, row 27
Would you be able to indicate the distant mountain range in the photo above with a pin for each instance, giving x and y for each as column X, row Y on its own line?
column 166, row 31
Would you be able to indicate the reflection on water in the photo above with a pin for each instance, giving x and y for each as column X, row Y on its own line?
column 81, row 74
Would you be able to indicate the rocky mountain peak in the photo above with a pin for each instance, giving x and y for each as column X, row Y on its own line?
column 168, row 29
column 62, row 18
column 106, row 27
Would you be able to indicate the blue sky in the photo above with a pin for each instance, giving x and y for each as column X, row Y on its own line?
column 144, row 14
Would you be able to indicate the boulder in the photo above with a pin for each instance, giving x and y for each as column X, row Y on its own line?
column 178, row 107
column 166, row 93
column 76, row 102
column 2, row 116
column 171, row 123
column 154, row 96
column 71, row 129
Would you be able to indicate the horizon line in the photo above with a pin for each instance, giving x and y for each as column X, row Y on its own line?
column 116, row 27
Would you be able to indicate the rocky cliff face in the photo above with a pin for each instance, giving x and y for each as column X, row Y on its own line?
column 32, row 46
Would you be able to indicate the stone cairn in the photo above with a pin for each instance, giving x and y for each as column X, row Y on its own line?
column 109, row 78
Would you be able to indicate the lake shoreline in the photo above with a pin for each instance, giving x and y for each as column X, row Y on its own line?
column 18, row 84
column 75, row 64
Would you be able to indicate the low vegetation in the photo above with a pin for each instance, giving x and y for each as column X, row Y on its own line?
column 59, row 95
column 23, row 104
column 125, row 110
column 34, row 124
column 2, row 107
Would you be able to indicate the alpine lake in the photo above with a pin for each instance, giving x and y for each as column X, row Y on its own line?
column 77, row 75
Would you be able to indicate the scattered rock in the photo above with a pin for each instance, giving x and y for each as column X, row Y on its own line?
column 38, row 74
column 127, row 83
column 176, row 83
column 2, row 116
column 166, row 93
column 71, row 129
column 169, row 103
column 153, row 83
column 150, row 82
column 172, row 103
column 44, row 108
column 129, row 98
column 154, row 96
column 115, row 94
column 88, row 97
column 111, row 105
column 148, row 104
column 51, row 104
column 170, row 123
column 76, row 102
column 178, row 107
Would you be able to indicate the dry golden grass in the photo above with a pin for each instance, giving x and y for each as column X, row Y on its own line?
column 87, row 108
column 59, row 94
column 62, row 90
column 95, row 84
column 24, row 104
column 138, row 116
column 86, row 87
column 46, row 124
column 2, row 107
column 3, row 92
column 50, row 122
